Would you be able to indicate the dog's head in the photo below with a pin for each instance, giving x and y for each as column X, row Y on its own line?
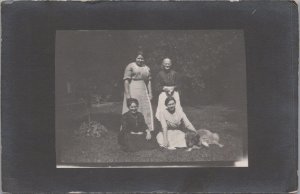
column 192, row 138
column 207, row 138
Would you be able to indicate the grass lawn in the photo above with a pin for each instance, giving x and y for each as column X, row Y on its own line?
column 229, row 123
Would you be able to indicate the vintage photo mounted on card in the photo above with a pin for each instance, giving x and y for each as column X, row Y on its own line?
column 150, row 98
column 153, row 96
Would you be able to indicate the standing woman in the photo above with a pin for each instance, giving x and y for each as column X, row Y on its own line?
column 167, row 85
column 137, row 84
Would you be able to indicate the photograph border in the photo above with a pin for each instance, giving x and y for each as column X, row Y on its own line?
column 241, row 162
column 28, row 143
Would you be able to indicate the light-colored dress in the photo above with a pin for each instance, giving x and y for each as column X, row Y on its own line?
column 173, row 123
column 139, row 76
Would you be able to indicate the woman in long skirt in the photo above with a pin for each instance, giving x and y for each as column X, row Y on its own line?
column 137, row 83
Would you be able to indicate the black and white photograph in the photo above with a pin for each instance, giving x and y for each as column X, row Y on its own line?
column 150, row 98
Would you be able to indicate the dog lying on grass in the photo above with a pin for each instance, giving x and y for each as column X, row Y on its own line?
column 201, row 137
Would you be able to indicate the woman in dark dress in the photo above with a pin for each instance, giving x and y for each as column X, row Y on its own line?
column 135, row 134
column 167, row 84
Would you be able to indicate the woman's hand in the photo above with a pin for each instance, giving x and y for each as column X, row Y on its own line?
column 149, row 90
column 127, row 90
column 170, row 93
column 166, row 143
column 168, row 90
column 148, row 136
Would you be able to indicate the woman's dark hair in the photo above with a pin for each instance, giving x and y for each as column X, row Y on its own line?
column 132, row 100
column 168, row 99
column 140, row 53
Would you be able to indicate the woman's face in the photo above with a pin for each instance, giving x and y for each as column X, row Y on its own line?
column 171, row 105
column 167, row 64
column 133, row 108
column 139, row 60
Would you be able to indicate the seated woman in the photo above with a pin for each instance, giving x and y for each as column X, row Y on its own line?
column 174, row 124
column 135, row 134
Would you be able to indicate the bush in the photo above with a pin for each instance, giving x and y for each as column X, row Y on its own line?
column 92, row 129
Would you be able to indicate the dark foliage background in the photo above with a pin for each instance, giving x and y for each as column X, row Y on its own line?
column 211, row 62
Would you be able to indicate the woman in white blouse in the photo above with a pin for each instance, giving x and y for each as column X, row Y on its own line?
column 174, row 122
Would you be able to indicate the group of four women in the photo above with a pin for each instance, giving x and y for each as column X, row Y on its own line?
column 137, row 117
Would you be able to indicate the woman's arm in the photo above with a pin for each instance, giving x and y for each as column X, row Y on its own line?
column 127, row 78
column 127, row 90
column 149, row 89
column 158, row 84
column 164, row 131
column 178, row 81
column 124, row 124
column 144, row 126
column 142, row 122
column 187, row 122
column 165, row 135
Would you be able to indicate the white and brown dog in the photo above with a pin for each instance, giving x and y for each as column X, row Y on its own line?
column 201, row 137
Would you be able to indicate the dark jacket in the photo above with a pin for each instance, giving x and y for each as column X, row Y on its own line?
column 133, row 123
column 164, row 78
